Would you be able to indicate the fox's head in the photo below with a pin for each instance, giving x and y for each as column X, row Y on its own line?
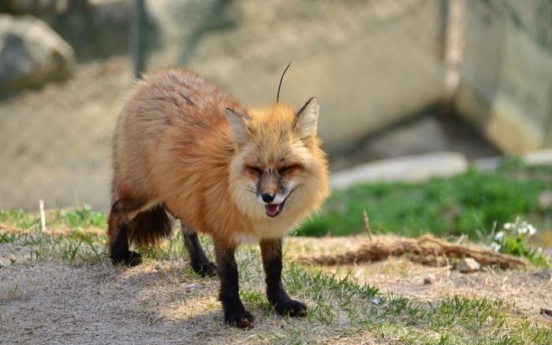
column 278, row 169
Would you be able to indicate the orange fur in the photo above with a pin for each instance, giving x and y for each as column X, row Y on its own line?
column 174, row 146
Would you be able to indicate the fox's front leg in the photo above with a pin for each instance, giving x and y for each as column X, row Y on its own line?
column 271, row 251
column 227, row 269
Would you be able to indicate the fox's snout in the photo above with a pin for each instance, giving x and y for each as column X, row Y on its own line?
column 272, row 192
column 268, row 186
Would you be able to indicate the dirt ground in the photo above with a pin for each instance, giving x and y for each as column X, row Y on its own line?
column 160, row 302
column 529, row 290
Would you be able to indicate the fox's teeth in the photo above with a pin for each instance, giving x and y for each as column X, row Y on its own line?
column 272, row 210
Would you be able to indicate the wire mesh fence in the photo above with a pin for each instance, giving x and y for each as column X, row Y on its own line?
column 371, row 64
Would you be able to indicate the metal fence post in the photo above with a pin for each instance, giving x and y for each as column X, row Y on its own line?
column 137, row 37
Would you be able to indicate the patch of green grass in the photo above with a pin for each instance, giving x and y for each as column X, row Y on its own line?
column 74, row 218
column 19, row 218
column 75, row 247
column 78, row 218
column 257, row 299
column 75, row 244
column 342, row 308
column 468, row 204
column 7, row 237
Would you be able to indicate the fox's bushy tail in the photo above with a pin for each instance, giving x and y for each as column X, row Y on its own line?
column 145, row 229
column 149, row 227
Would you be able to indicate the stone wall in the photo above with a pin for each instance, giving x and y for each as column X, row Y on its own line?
column 371, row 64
column 506, row 72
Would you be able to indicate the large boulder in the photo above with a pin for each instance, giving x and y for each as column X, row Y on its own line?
column 35, row 7
column 94, row 28
column 31, row 54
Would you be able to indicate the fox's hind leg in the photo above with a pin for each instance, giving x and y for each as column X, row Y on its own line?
column 200, row 262
column 118, row 233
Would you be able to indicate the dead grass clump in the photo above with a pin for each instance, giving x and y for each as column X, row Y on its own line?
column 426, row 250
column 58, row 231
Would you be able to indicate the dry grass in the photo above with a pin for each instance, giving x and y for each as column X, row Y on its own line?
column 426, row 250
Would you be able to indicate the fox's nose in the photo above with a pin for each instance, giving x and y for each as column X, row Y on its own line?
column 268, row 197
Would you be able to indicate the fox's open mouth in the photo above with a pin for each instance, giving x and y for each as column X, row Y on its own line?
column 274, row 209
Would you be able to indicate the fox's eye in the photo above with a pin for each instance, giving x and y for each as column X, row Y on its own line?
column 255, row 170
column 288, row 169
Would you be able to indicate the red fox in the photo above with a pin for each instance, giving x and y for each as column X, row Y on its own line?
column 185, row 149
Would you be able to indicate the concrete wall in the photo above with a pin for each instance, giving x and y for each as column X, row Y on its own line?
column 506, row 73
column 371, row 64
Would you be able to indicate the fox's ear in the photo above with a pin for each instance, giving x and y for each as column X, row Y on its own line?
column 307, row 118
column 238, row 125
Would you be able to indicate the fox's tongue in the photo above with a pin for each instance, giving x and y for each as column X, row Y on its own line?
column 272, row 210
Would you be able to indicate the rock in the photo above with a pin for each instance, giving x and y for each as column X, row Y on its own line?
column 31, row 54
column 545, row 200
column 46, row 10
column 412, row 168
column 98, row 28
column 32, row 7
column 190, row 287
column 421, row 136
column 467, row 265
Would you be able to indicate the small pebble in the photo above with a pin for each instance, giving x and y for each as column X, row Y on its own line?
column 429, row 279
column 467, row 265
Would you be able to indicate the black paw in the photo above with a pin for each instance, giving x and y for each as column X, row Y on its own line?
column 291, row 308
column 128, row 258
column 205, row 269
column 240, row 319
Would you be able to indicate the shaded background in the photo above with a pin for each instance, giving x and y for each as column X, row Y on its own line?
column 394, row 77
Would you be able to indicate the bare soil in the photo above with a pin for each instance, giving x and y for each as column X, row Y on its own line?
column 161, row 302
